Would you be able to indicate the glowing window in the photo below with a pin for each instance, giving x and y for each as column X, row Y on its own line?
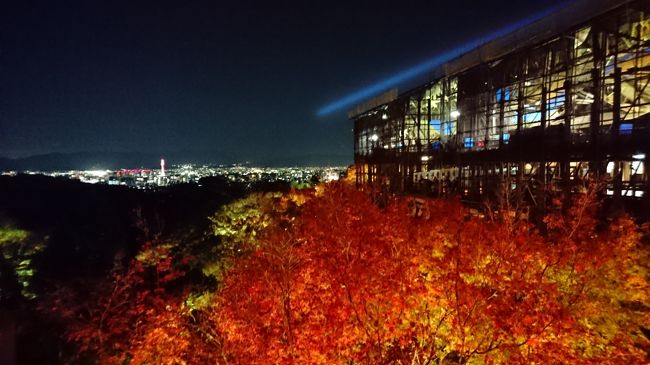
column 503, row 94
column 469, row 142
column 435, row 125
column 556, row 103
column 625, row 128
column 532, row 117
column 448, row 128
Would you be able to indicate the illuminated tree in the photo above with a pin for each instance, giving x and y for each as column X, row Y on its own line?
column 423, row 282
column 19, row 248
column 331, row 278
column 239, row 225
column 148, row 312
column 133, row 316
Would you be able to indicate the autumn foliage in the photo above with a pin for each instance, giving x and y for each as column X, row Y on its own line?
column 133, row 316
column 424, row 283
column 331, row 278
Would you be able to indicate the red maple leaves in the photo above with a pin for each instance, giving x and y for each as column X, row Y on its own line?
column 333, row 279
column 349, row 282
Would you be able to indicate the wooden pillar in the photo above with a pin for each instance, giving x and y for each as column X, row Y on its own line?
column 615, row 142
column 594, row 125
column 566, row 148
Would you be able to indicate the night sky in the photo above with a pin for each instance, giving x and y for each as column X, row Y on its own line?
column 242, row 79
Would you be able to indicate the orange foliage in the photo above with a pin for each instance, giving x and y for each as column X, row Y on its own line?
column 425, row 283
column 337, row 280
column 131, row 317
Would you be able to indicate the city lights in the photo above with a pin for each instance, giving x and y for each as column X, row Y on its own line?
column 190, row 173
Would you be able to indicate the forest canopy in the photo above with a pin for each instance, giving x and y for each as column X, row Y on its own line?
column 326, row 276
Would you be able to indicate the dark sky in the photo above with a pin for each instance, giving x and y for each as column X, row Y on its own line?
column 240, row 78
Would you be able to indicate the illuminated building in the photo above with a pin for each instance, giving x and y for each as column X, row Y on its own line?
column 538, row 109
column 162, row 167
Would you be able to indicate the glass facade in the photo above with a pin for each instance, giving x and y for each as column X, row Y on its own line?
column 580, row 100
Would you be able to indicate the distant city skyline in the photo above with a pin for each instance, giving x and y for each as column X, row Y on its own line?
column 119, row 160
column 192, row 174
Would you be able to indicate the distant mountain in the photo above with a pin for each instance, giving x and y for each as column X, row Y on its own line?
column 80, row 161
column 118, row 160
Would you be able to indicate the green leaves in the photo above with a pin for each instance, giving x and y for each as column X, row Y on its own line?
column 19, row 248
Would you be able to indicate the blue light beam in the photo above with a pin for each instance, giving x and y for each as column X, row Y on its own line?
column 421, row 68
